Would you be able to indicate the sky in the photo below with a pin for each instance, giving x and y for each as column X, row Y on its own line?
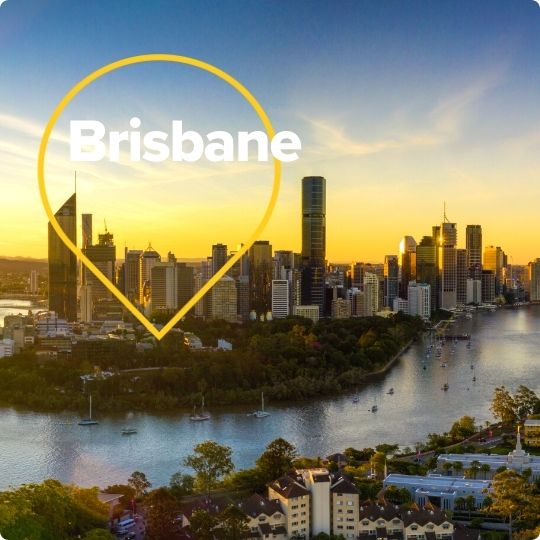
column 401, row 105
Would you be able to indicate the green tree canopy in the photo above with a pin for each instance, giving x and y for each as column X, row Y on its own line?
column 277, row 459
column 210, row 461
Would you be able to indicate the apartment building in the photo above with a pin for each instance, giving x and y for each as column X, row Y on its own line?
column 294, row 499
column 531, row 431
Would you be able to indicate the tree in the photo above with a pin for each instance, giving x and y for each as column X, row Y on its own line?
column 234, row 523
column 139, row 483
column 203, row 525
column 503, row 406
column 161, row 511
column 485, row 468
column 526, row 401
column 210, row 461
column 181, row 484
column 457, row 466
column 474, row 468
column 277, row 459
column 463, row 428
column 512, row 497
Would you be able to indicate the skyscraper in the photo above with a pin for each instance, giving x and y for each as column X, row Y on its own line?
column 260, row 277
column 473, row 239
column 86, row 230
column 391, row 279
column 103, row 255
column 447, row 260
column 185, row 283
column 534, row 280
column 494, row 260
column 63, row 263
column 132, row 274
column 407, row 263
column 164, row 291
column 280, row 298
column 223, row 300
column 461, row 276
column 313, row 241
column 426, row 267
column 219, row 257
column 148, row 259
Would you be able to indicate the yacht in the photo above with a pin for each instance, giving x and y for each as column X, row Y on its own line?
column 89, row 421
column 200, row 416
column 262, row 413
column 391, row 391
column 129, row 431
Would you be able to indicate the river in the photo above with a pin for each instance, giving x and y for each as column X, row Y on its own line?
column 504, row 350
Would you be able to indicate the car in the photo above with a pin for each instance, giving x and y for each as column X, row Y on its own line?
column 130, row 536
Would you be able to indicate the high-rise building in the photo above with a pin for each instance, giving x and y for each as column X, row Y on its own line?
column 219, row 257
column 447, row 259
column 164, row 294
column 260, row 277
column 534, row 280
column 494, row 260
column 63, row 263
column 407, row 263
column 314, row 241
column 356, row 275
column 371, row 294
column 426, row 267
column 103, row 255
column 474, row 291
column 185, row 283
column 280, row 298
column 473, row 239
column 86, row 303
column 86, row 230
column 132, row 274
column 33, row 285
column 419, row 300
column 341, row 308
column 488, row 286
column 149, row 258
column 223, row 300
column 391, row 279
column 242, row 293
column 461, row 276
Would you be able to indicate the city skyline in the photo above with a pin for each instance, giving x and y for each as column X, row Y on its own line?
column 394, row 129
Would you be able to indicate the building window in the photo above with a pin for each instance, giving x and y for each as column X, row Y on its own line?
column 350, row 527
column 350, row 511
column 414, row 527
column 365, row 522
column 446, row 525
column 340, row 526
column 350, row 503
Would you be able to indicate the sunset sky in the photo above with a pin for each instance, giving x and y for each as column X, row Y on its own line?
column 401, row 105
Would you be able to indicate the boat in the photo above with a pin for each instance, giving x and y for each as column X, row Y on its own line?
column 262, row 413
column 374, row 408
column 444, row 364
column 129, row 431
column 89, row 421
column 391, row 391
column 445, row 387
column 356, row 399
column 200, row 416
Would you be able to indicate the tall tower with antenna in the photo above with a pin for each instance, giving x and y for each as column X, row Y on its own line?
column 447, row 258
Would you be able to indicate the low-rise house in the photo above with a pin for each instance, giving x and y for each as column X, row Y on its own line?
column 266, row 519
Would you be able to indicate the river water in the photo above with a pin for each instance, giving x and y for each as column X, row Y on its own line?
column 504, row 350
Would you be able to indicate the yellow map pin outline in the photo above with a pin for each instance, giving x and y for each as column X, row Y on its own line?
column 242, row 90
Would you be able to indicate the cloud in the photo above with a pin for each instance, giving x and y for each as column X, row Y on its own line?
column 28, row 127
column 445, row 121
